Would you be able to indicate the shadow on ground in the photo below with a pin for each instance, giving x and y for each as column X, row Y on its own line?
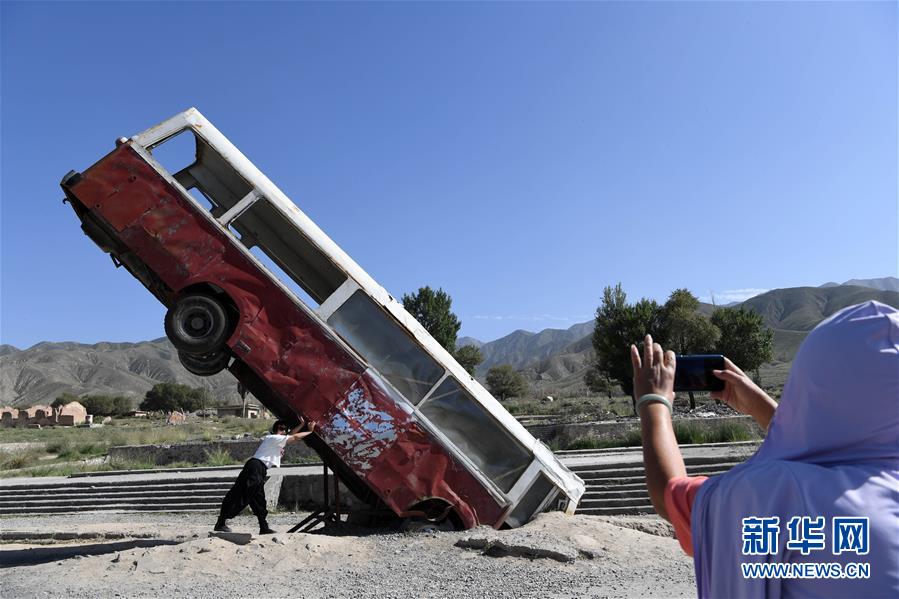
column 42, row 555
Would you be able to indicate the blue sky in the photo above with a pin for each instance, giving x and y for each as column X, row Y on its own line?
column 521, row 156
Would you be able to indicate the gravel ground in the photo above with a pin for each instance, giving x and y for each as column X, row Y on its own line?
column 174, row 556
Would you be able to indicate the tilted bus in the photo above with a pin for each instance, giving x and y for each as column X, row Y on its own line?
column 253, row 286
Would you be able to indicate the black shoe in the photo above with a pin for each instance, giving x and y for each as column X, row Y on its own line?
column 220, row 526
column 265, row 530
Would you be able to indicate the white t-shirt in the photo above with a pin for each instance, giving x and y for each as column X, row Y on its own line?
column 270, row 450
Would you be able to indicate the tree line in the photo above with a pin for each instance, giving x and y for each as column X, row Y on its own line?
column 737, row 333
column 98, row 405
column 163, row 397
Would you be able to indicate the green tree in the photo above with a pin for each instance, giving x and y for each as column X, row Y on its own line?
column 744, row 338
column 618, row 325
column 599, row 381
column 123, row 405
column 433, row 310
column 469, row 357
column 685, row 330
column 65, row 398
column 197, row 399
column 168, row 397
column 97, row 405
column 106, row 405
column 163, row 397
column 503, row 382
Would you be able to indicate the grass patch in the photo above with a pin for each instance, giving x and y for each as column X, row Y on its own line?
column 692, row 433
column 631, row 439
column 219, row 457
column 68, row 448
column 685, row 432
column 69, row 468
column 65, row 447
column 136, row 431
column 130, row 465
column 302, row 459
column 21, row 458
column 572, row 408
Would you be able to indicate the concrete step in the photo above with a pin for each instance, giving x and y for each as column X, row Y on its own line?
column 747, row 446
column 612, row 493
column 150, row 494
column 620, row 489
column 638, row 472
column 626, row 502
column 97, row 484
column 118, row 507
column 629, row 483
column 111, row 489
column 578, row 468
column 634, row 486
column 617, row 488
column 637, row 462
column 616, row 511
column 129, row 496
column 38, row 502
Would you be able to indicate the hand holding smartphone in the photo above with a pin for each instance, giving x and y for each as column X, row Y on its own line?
column 694, row 372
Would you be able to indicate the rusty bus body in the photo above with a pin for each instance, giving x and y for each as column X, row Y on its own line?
column 398, row 418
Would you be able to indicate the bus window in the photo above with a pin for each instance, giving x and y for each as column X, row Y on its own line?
column 282, row 276
column 386, row 346
column 201, row 198
column 532, row 500
column 215, row 177
column 262, row 228
column 201, row 171
column 267, row 228
column 177, row 153
column 477, row 434
column 196, row 165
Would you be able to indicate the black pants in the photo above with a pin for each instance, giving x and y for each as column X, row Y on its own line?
column 248, row 489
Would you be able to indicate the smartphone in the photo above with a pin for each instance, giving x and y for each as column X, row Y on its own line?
column 694, row 373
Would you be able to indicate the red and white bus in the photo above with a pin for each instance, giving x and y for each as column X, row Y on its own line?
column 252, row 285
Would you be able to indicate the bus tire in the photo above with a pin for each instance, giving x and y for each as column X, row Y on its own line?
column 198, row 324
column 413, row 525
column 205, row 364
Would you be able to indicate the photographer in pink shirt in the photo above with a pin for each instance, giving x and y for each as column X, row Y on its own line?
column 831, row 453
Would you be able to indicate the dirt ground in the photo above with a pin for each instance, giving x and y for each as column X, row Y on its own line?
column 173, row 555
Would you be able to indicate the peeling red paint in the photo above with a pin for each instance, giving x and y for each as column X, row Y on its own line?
column 297, row 358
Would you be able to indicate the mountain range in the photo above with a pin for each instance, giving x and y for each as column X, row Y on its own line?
column 554, row 360
column 41, row 373
column 793, row 308
column 884, row 284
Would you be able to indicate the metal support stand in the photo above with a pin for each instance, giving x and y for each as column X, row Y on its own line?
column 329, row 512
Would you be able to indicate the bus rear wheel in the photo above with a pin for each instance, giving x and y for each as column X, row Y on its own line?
column 430, row 515
column 419, row 525
column 204, row 364
column 198, row 324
